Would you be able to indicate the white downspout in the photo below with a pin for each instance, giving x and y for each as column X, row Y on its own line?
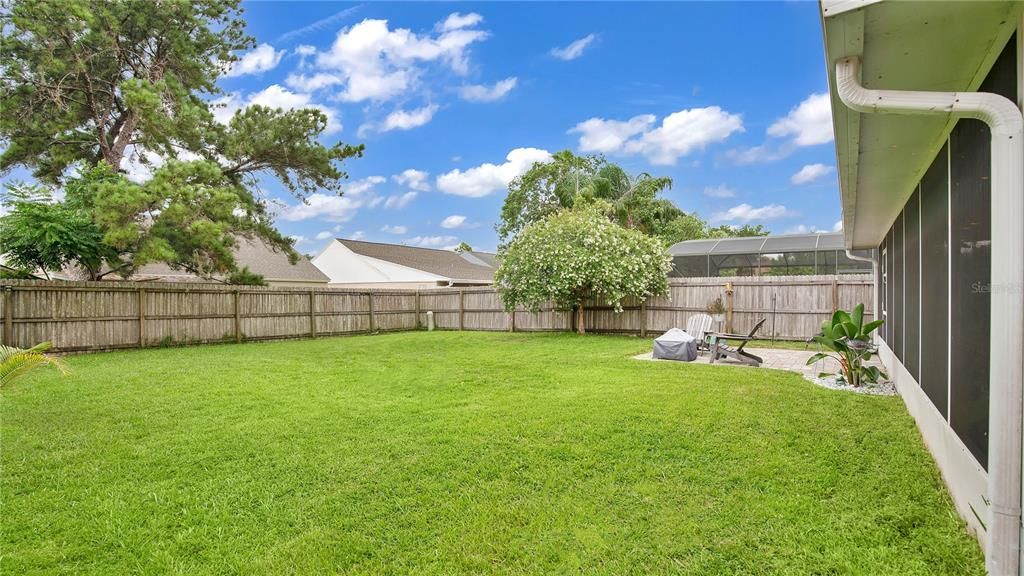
column 878, row 285
column 1007, row 305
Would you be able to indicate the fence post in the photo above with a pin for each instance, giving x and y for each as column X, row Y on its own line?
column 417, row 309
column 643, row 318
column 728, row 306
column 370, row 294
column 8, row 315
column 142, row 317
column 312, row 313
column 835, row 295
column 238, row 316
column 462, row 309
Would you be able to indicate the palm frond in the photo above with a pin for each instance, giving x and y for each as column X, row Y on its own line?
column 16, row 362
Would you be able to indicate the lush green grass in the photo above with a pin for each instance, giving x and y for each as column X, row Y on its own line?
column 443, row 453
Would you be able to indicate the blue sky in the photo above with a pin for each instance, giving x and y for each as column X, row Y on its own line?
column 453, row 100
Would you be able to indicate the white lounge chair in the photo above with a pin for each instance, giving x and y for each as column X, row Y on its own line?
column 699, row 326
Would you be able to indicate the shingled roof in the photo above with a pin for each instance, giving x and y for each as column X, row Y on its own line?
column 260, row 258
column 439, row 262
column 482, row 258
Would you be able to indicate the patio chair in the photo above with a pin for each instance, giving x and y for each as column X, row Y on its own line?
column 699, row 326
column 722, row 350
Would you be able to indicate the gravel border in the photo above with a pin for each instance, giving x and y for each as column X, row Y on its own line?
column 885, row 388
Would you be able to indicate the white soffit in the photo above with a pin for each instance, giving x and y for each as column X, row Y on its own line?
column 939, row 46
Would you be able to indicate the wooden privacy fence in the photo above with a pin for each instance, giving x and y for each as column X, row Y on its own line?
column 83, row 316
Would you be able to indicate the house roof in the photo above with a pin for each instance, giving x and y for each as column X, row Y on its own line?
column 261, row 259
column 936, row 46
column 440, row 262
column 481, row 258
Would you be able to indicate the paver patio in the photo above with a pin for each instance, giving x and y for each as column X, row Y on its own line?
column 774, row 358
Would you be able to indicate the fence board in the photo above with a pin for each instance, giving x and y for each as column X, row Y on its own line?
column 81, row 316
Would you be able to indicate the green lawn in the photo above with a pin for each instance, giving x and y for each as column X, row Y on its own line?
column 448, row 453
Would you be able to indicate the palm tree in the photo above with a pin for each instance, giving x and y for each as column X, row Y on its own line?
column 635, row 200
column 16, row 362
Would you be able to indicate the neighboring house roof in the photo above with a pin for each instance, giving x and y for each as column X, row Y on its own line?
column 438, row 262
column 256, row 254
column 261, row 259
column 481, row 258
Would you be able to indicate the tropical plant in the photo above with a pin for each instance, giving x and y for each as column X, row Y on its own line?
column 16, row 362
column 848, row 340
column 576, row 255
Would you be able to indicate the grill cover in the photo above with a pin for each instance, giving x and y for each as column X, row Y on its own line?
column 675, row 344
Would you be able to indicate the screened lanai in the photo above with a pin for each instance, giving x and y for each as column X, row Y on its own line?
column 783, row 255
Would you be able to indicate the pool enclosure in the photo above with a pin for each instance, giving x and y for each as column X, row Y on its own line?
column 783, row 255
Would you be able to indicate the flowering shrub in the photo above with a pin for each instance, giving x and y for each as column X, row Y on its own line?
column 578, row 254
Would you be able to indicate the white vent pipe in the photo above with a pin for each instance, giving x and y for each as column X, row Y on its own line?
column 1007, row 325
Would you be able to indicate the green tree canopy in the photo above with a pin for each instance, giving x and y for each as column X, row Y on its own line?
column 185, row 216
column 42, row 235
column 631, row 201
column 84, row 82
column 726, row 231
column 573, row 255
column 544, row 189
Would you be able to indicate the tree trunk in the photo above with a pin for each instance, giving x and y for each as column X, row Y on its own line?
column 579, row 319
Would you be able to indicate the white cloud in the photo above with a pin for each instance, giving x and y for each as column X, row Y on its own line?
column 484, row 93
column 257, row 60
column 273, row 96
column 679, row 134
column 408, row 119
column 809, row 123
column 335, row 208
column 401, row 120
column 445, row 242
column 457, row 21
column 488, row 178
column 747, row 213
column 378, row 63
column 721, row 191
column 838, row 226
column 305, row 50
column 358, row 187
column 399, row 201
column 313, row 82
column 330, row 208
column 394, row 229
column 453, row 221
column 324, row 235
column 574, row 50
column 600, row 135
column 357, row 235
column 414, row 179
column 810, row 173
